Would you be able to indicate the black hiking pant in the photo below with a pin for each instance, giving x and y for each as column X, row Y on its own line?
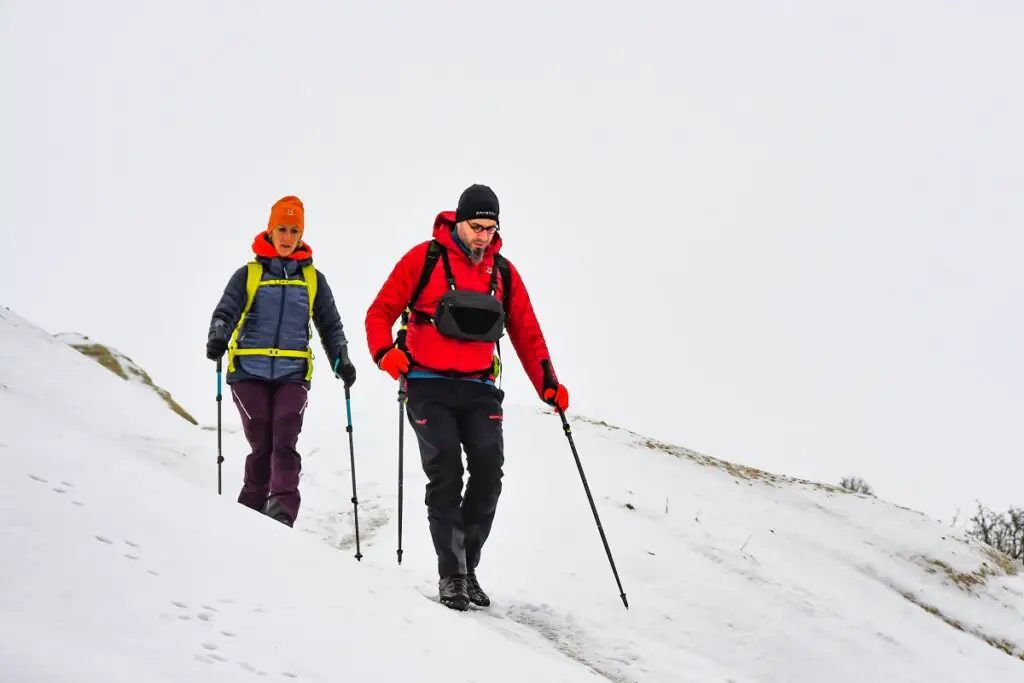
column 447, row 415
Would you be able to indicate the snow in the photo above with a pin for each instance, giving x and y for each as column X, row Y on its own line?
column 121, row 562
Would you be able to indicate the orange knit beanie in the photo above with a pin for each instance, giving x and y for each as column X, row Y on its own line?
column 287, row 211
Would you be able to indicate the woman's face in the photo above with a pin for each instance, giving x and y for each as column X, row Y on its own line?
column 285, row 239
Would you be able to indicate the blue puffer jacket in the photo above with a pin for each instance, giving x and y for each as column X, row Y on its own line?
column 278, row 318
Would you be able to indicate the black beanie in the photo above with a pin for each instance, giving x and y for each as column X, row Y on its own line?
column 477, row 201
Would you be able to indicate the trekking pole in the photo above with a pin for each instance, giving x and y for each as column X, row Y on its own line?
column 401, row 436
column 220, row 452
column 352, row 460
column 593, row 508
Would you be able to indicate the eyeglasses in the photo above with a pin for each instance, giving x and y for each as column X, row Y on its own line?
column 490, row 230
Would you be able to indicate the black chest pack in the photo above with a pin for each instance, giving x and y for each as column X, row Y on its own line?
column 459, row 313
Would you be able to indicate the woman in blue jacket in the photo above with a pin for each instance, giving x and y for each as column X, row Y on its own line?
column 263, row 323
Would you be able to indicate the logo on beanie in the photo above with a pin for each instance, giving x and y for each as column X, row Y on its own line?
column 477, row 201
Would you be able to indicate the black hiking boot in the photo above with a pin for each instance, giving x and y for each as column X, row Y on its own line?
column 276, row 511
column 452, row 591
column 475, row 592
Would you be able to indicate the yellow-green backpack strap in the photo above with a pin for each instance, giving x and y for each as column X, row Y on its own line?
column 252, row 281
column 309, row 272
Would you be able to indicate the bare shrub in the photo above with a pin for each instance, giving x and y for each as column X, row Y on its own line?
column 1004, row 532
column 857, row 485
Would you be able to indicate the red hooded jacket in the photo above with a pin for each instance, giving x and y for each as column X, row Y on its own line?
column 429, row 349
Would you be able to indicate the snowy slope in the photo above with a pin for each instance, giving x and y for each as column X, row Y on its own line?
column 116, row 546
column 115, row 571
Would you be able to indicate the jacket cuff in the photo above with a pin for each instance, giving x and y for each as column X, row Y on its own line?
column 550, row 380
column 380, row 354
column 341, row 356
column 218, row 330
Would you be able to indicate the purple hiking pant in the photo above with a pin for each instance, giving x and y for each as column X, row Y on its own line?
column 272, row 419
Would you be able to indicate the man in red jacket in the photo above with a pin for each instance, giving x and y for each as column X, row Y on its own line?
column 445, row 352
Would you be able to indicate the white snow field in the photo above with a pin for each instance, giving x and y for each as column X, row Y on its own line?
column 121, row 563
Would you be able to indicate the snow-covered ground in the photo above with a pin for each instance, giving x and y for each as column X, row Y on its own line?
column 121, row 562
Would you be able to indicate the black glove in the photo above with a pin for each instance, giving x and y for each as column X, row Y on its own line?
column 344, row 369
column 215, row 347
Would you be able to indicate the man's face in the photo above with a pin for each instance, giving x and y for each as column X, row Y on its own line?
column 477, row 234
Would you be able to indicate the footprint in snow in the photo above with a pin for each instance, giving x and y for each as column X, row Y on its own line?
column 569, row 638
column 251, row 669
column 135, row 555
column 131, row 556
column 209, row 657
column 38, row 478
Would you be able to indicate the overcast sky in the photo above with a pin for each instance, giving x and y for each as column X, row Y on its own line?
column 784, row 234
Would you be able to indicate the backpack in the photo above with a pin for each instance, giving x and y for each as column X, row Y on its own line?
column 437, row 250
column 253, row 281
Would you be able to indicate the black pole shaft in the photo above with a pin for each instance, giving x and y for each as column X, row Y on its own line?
column 568, row 434
column 352, row 463
column 401, row 464
column 220, row 449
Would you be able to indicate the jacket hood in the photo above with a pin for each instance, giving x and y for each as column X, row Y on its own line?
column 262, row 246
